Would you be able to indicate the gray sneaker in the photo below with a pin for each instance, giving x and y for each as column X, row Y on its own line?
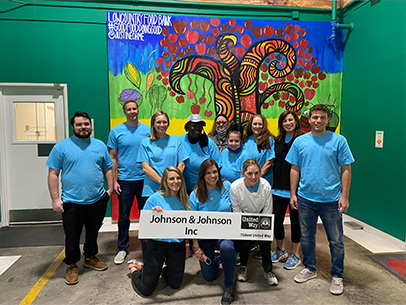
column 305, row 275
column 242, row 274
column 271, row 278
column 120, row 257
column 336, row 287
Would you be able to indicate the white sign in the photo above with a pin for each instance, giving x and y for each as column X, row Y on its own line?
column 379, row 139
column 133, row 26
column 205, row 225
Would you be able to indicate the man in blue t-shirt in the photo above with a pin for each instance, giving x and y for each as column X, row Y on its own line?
column 83, row 161
column 316, row 159
column 123, row 143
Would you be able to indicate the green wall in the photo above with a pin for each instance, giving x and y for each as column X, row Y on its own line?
column 374, row 100
column 65, row 42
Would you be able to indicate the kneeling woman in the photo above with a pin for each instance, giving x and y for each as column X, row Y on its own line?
column 252, row 194
column 212, row 195
column 171, row 195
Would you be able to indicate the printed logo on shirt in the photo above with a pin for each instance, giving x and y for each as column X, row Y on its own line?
column 328, row 147
column 95, row 151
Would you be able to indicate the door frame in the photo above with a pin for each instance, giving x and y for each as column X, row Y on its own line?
column 4, row 183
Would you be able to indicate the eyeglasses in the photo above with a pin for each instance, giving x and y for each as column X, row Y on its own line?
column 221, row 123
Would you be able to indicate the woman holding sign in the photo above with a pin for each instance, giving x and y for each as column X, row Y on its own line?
column 252, row 194
column 212, row 195
column 170, row 196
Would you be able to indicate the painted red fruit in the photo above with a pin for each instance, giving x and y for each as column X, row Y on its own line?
column 195, row 109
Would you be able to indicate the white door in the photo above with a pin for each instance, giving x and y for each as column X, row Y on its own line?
column 33, row 119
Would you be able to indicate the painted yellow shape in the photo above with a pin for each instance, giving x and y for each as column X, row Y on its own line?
column 176, row 126
column 35, row 290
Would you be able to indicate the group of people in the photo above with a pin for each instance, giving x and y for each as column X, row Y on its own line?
column 233, row 169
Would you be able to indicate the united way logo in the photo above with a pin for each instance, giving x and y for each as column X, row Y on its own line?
column 265, row 223
column 256, row 222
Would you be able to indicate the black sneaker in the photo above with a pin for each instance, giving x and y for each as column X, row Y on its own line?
column 227, row 298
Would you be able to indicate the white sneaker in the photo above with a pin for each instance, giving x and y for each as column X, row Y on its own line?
column 305, row 275
column 336, row 287
column 271, row 278
column 120, row 257
column 242, row 275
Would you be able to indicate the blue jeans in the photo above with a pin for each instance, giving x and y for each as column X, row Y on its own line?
column 129, row 189
column 333, row 225
column 227, row 253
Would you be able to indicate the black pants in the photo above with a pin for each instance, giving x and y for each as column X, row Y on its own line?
column 73, row 218
column 265, row 248
column 157, row 252
column 280, row 204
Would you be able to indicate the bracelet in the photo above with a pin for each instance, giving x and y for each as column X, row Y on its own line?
column 187, row 245
column 197, row 251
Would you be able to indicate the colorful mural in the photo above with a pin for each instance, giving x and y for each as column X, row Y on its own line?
column 238, row 67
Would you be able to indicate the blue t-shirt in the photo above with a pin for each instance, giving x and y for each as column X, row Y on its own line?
column 160, row 154
column 167, row 203
column 283, row 193
column 82, row 164
column 255, row 188
column 218, row 202
column 126, row 140
column 319, row 159
column 196, row 155
column 231, row 165
column 250, row 146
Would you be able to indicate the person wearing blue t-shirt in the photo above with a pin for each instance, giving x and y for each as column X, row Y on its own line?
column 158, row 152
column 83, row 161
column 123, row 143
column 171, row 196
column 289, row 129
column 213, row 195
column 258, row 143
column 232, row 158
column 316, row 159
column 198, row 147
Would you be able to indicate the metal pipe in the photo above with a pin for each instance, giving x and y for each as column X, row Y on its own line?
column 347, row 26
column 334, row 10
column 334, row 24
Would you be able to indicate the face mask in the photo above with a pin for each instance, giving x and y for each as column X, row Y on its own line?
column 235, row 151
column 221, row 133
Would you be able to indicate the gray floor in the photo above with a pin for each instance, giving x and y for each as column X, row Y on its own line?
column 365, row 281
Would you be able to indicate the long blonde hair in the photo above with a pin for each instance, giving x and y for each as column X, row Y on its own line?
column 154, row 134
column 164, row 189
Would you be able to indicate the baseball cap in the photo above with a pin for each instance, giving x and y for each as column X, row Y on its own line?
column 195, row 118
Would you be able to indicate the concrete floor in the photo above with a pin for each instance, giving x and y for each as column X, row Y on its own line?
column 365, row 281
